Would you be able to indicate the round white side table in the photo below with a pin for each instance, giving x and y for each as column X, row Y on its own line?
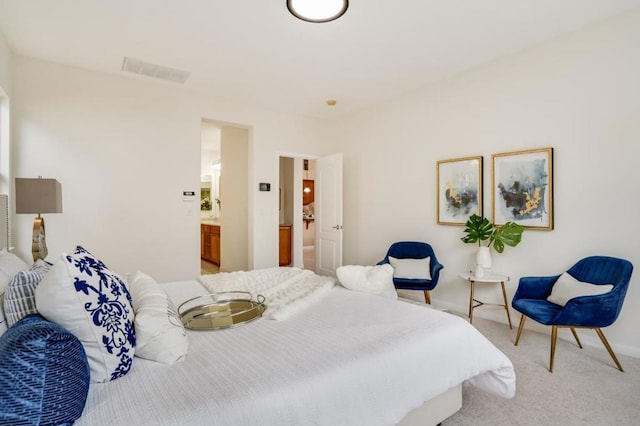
column 492, row 278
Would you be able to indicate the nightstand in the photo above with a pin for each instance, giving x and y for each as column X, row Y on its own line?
column 492, row 278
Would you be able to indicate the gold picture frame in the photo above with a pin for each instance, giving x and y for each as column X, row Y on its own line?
column 522, row 188
column 459, row 189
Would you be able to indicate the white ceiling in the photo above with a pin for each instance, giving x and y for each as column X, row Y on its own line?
column 255, row 52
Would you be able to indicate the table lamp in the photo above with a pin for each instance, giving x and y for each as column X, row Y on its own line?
column 38, row 195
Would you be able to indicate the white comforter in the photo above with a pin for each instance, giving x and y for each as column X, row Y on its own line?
column 350, row 359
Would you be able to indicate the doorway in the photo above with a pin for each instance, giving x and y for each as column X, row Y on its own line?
column 311, row 202
column 210, row 171
column 224, row 199
column 296, row 214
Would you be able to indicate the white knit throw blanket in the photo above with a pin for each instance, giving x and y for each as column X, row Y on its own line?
column 287, row 290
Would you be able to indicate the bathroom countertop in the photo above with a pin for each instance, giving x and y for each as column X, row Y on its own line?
column 208, row 221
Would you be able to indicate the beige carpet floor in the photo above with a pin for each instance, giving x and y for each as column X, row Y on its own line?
column 585, row 388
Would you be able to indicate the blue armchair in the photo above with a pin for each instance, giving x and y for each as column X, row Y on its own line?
column 415, row 250
column 595, row 311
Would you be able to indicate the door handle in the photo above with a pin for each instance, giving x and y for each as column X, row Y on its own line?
column 338, row 227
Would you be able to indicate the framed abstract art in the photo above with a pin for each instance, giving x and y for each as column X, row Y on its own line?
column 459, row 189
column 522, row 188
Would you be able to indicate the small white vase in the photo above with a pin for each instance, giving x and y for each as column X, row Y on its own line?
column 483, row 261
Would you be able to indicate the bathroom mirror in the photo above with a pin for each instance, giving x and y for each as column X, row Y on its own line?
column 206, row 203
column 308, row 191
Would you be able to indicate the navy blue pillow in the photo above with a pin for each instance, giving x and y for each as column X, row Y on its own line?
column 44, row 374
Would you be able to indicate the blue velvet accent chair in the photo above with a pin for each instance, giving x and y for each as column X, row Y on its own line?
column 415, row 250
column 595, row 311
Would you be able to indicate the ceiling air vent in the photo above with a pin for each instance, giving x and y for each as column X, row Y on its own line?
column 137, row 66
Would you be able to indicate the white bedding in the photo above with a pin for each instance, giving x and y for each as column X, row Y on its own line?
column 287, row 290
column 351, row 358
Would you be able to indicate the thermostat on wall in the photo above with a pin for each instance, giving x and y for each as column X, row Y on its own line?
column 188, row 195
column 265, row 186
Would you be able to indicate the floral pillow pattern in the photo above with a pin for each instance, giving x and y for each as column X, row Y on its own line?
column 83, row 295
column 109, row 310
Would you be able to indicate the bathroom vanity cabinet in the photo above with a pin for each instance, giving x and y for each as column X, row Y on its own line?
column 285, row 245
column 210, row 243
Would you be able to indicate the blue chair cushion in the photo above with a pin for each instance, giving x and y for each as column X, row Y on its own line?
column 413, row 284
column 44, row 374
column 540, row 310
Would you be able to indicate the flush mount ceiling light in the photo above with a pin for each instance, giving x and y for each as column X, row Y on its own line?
column 317, row 10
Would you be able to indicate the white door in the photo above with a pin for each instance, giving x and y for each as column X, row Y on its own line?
column 328, row 206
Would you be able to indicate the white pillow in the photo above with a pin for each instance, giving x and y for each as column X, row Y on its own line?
column 567, row 287
column 80, row 294
column 376, row 280
column 10, row 264
column 160, row 335
column 411, row 268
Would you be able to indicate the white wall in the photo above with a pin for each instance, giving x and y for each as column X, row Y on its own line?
column 5, row 66
column 286, row 186
column 124, row 149
column 233, row 193
column 5, row 93
column 579, row 94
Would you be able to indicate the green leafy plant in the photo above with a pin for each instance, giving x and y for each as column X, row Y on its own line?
column 479, row 229
column 205, row 203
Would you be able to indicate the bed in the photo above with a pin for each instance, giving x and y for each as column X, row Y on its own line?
column 342, row 358
column 85, row 345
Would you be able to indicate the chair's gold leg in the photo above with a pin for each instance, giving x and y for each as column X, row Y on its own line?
column 520, row 328
column 471, row 289
column 506, row 305
column 575, row 335
column 427, row 297
column 554, row 338
column 606, row 345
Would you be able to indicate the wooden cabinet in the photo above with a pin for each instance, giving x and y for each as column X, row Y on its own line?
column 285, row 245
column 210, row 243
column 202, row 239
column 215, row 244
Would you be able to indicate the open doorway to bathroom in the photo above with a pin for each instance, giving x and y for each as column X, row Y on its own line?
column 210, row 165
column 224, row 202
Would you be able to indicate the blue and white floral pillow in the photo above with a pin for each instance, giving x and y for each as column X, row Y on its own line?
column 82, row 295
